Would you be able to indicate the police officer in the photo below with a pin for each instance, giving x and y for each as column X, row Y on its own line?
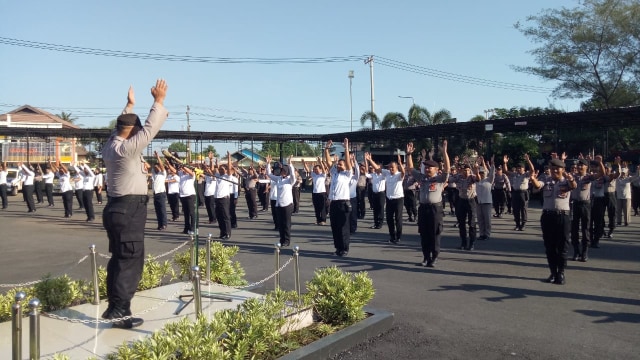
column 125, row 215
column 431, row 210
column 339, row 194
column 555, row 220
column 519, row 191
column 581, row 214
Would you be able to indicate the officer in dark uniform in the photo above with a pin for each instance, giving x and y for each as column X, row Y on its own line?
column 581, row 205
column 125, row 215
column 555, row 220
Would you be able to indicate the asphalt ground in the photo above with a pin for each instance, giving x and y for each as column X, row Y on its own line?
column 490, row 303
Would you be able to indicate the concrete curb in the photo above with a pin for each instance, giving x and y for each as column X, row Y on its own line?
column 377, row 323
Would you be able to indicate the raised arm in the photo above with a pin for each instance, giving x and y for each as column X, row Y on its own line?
column 159, row 161
column 306, row 167
column 446, row 167
column 347, row 156
column 327, row 157
column 367, row 157
column 528, row 159
column 400, row 165
column 409, row 152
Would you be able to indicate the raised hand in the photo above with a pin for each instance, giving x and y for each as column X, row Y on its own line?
column 505, row 159
column 345, row 143
column 131, row 97
column 159, row 91
column 268, row 159
column 410, row 148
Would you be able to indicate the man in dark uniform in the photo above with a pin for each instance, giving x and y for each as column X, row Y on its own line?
column 125, row 215
column 555, row 220
column 431, row 210
column 581, row 203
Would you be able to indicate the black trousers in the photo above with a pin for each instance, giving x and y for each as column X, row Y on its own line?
column 410, row 203
column 210, row 205
column 37, row 186
column 394, row 218
column 430, row 227
column 189, row 212
column 361, row 195
column 124, row 218
column 635, row 198
column 377, row 200
column 27, row 192
column 520, row 203
column 3, row 195
column 284, row 223
column 48, row 189
column 233, row 218
column 67, row 202
column 452, row 196
column 611, row 209
column 339, row 215
column 98, row 192
column 555, row 234
column 295, row 191
column 597, row 218
column 499, row 198
column 466, row 213
column 223, row 216
column 580, row 221
column 319, row 201
column 79, row 198
column 160, row 206
column 87, row 200
column 174, row 201
column 263, row 197
column 252, row 204
column 274, row 213
column 353, row 215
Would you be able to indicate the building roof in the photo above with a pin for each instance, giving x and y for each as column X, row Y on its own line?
column 28, row 116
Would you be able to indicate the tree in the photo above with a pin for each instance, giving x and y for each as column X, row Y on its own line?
column 67, row 117
column 591, row 50
column 394, row 120
column 211, row 148
column 477, row 118
column 178, row 147
column 289, row 148
column 369, row 116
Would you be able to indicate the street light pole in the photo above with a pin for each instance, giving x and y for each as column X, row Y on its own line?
column 413, row 107
column 351, row 96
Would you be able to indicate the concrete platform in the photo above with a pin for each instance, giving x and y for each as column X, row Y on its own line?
column 89, row 338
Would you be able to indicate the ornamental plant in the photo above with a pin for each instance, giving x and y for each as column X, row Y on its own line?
column 223, row 269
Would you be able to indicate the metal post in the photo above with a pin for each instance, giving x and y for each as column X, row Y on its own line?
column 209, row 259
column 296, row 270
column 277, row 277
column 16, row 326
column 94, row 275
column 194, row 255
column 34, row 329
column 195, row 275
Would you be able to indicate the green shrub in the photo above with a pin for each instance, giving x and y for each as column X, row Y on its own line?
column 153, row 274
column 340, row 297
column 7, row 300
column 59, row 293
column 223, row 269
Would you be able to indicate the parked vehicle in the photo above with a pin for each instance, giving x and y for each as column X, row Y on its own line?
column 13, row 189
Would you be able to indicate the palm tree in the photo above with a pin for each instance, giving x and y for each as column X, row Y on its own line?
column 477, row 118
column 394, row 120
column 420, row 116
column 67, row 117
column 370, row 116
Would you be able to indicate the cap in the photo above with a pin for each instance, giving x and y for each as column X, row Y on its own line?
column 430, row 163
column 519, row 165
column 557, row 162
column 584, row 162
column 128, row 120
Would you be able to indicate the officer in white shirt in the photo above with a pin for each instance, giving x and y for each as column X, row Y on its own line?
column 87, row 190
column 159, row 178
column 339, row 194
column 395, row 195
column 64, row 179
column 98, row 185
column 47, row 177
column 28, row 188
column 378, row 187
column 210, row 185
column 319, row 192
column 284, row 199
column 224, row 186
column 3, row 184
column 173, row 192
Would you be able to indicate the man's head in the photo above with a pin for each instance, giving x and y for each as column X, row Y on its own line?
column 317, row 169
column 557, row 167
column 465, row 171
column 128, row 124
column 582, row 166
column 393, row 167
column 520, row 168
column 481, row 173
column 430, row 168
column 341, row 165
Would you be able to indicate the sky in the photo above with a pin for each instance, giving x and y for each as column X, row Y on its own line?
column 409, row 41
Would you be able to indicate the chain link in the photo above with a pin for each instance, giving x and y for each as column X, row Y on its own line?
column 252, row 285
column 38, row 281
column 107, row 321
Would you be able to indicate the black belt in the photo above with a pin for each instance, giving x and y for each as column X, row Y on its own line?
column 431, row 204
column 129, row 199
column 519, row 190
column 556, row 212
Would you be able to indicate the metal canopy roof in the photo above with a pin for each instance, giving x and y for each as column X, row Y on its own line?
column 574, row 121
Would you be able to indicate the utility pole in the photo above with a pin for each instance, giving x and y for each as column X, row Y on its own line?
column 351, row 96
column 188, row 137
column 369, row 61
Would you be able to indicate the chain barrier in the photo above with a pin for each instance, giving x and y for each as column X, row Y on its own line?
column 107, row 321
column 37, row 281
column 155, row 257
column 257, row 283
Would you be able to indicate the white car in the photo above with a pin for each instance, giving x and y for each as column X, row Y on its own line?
column 12, row 174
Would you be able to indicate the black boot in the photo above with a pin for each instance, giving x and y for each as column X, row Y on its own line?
column 463, row 244
column 560, row 277
column 576, row 253
column 585, row 253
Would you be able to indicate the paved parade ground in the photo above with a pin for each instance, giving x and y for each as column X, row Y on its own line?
column 490, row 303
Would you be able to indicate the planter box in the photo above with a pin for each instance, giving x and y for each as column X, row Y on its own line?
column 378, row 322
column 298, row 320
